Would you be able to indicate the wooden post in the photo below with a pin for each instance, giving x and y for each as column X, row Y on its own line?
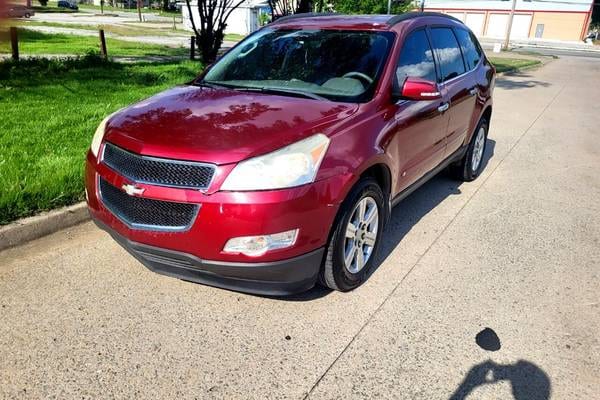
column 139, row 8
column 192, row 47
column 103, row 51
column 14, row 43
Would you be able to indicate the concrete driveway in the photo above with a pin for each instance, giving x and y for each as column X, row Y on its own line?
column 516, row 251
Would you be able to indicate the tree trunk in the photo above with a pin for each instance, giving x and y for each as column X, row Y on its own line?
column 209, row 44
column 304, row 6
column 165, row 5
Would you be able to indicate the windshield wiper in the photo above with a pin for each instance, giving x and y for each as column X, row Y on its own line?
column 301, row 93
column 210, row 85
column 297, row 93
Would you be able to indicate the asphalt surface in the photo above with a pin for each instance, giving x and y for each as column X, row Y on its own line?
column 516, row 251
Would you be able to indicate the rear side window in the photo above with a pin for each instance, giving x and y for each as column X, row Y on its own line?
column 471, row 51
column 416, row 58
column 447, row 53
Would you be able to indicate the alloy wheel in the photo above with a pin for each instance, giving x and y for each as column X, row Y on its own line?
column 361, row 235
column 478, row 149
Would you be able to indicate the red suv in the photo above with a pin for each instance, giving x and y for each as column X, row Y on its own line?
column 277, row 168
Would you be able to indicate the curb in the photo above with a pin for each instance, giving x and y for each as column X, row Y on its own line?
column 27, row 229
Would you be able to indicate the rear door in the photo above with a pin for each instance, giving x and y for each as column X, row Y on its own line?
column 419, row 132
column 456, row 85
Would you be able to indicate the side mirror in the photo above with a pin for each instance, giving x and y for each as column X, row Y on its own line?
column 419, row 89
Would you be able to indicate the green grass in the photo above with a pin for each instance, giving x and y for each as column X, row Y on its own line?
column 51, row 9
column 109, row 9
column 50, row 110
column 36, row 43
column 234, row 37
column 512, row 64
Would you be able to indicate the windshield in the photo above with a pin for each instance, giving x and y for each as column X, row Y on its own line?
column 331, row 64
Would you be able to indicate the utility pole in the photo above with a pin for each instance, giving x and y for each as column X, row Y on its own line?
column 389, row 7
column 509, row 25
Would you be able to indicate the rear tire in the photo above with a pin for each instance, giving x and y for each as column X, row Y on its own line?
column 471, row 165
column 356, row 236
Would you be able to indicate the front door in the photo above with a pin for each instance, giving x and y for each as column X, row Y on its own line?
column 420, row 126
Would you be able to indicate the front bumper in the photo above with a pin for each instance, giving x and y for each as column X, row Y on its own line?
column 196, row 254
column 277, row 278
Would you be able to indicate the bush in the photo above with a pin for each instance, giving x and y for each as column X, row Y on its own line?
column 44, row 3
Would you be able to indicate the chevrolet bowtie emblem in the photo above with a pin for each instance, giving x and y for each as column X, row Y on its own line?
column 132, row 190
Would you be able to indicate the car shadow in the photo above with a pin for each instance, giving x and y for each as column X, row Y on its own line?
column 404, row 217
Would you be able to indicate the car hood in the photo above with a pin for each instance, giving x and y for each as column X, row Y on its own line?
column 219, row 125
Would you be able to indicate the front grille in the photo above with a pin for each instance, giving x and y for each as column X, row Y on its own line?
column 141, row 213
column 158, row 171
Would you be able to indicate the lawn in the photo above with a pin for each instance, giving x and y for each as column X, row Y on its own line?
column 109, row 9
column 50, row 110
column 512, row 64
column 35, row 43
column 51, row 9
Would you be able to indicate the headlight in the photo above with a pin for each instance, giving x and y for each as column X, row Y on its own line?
column 293, row 165
column 99, row 134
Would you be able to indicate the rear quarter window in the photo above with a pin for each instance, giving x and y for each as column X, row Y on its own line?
column 471, row 51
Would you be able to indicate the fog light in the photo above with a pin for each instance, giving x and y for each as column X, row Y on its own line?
column 254, row 246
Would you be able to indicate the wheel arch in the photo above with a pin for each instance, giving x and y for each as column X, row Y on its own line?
column 381, row 172
column 487, row 113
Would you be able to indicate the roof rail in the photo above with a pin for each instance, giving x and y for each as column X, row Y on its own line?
column 396, row 19
column 303, row 15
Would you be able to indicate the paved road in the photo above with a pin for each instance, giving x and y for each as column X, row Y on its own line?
column 516, row 251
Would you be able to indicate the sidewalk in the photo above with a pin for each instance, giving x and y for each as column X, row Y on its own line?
column 543, row 44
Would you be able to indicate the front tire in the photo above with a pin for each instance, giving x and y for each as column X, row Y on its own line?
column 355, row 239
column 471, row 165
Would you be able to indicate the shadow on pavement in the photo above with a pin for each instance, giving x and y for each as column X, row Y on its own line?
column 527, row 380
column 506, row 83
column 404, row 216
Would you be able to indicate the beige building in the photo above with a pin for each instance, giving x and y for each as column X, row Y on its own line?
column 567, row 20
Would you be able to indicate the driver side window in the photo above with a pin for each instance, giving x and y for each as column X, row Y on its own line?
column 416, row 58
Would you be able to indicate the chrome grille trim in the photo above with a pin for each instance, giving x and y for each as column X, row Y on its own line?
column 158, row 171
column 110, row 195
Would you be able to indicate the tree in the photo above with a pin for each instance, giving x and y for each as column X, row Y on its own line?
column 213, row 21
column 281, row 8
column 371, row 6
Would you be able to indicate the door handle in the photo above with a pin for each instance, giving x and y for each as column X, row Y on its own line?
column 444, row 107
column 474, row 91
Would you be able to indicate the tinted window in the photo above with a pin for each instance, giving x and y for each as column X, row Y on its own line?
column 471, row 51
column 340, row 65
column 447, row 53
column 416, row 58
